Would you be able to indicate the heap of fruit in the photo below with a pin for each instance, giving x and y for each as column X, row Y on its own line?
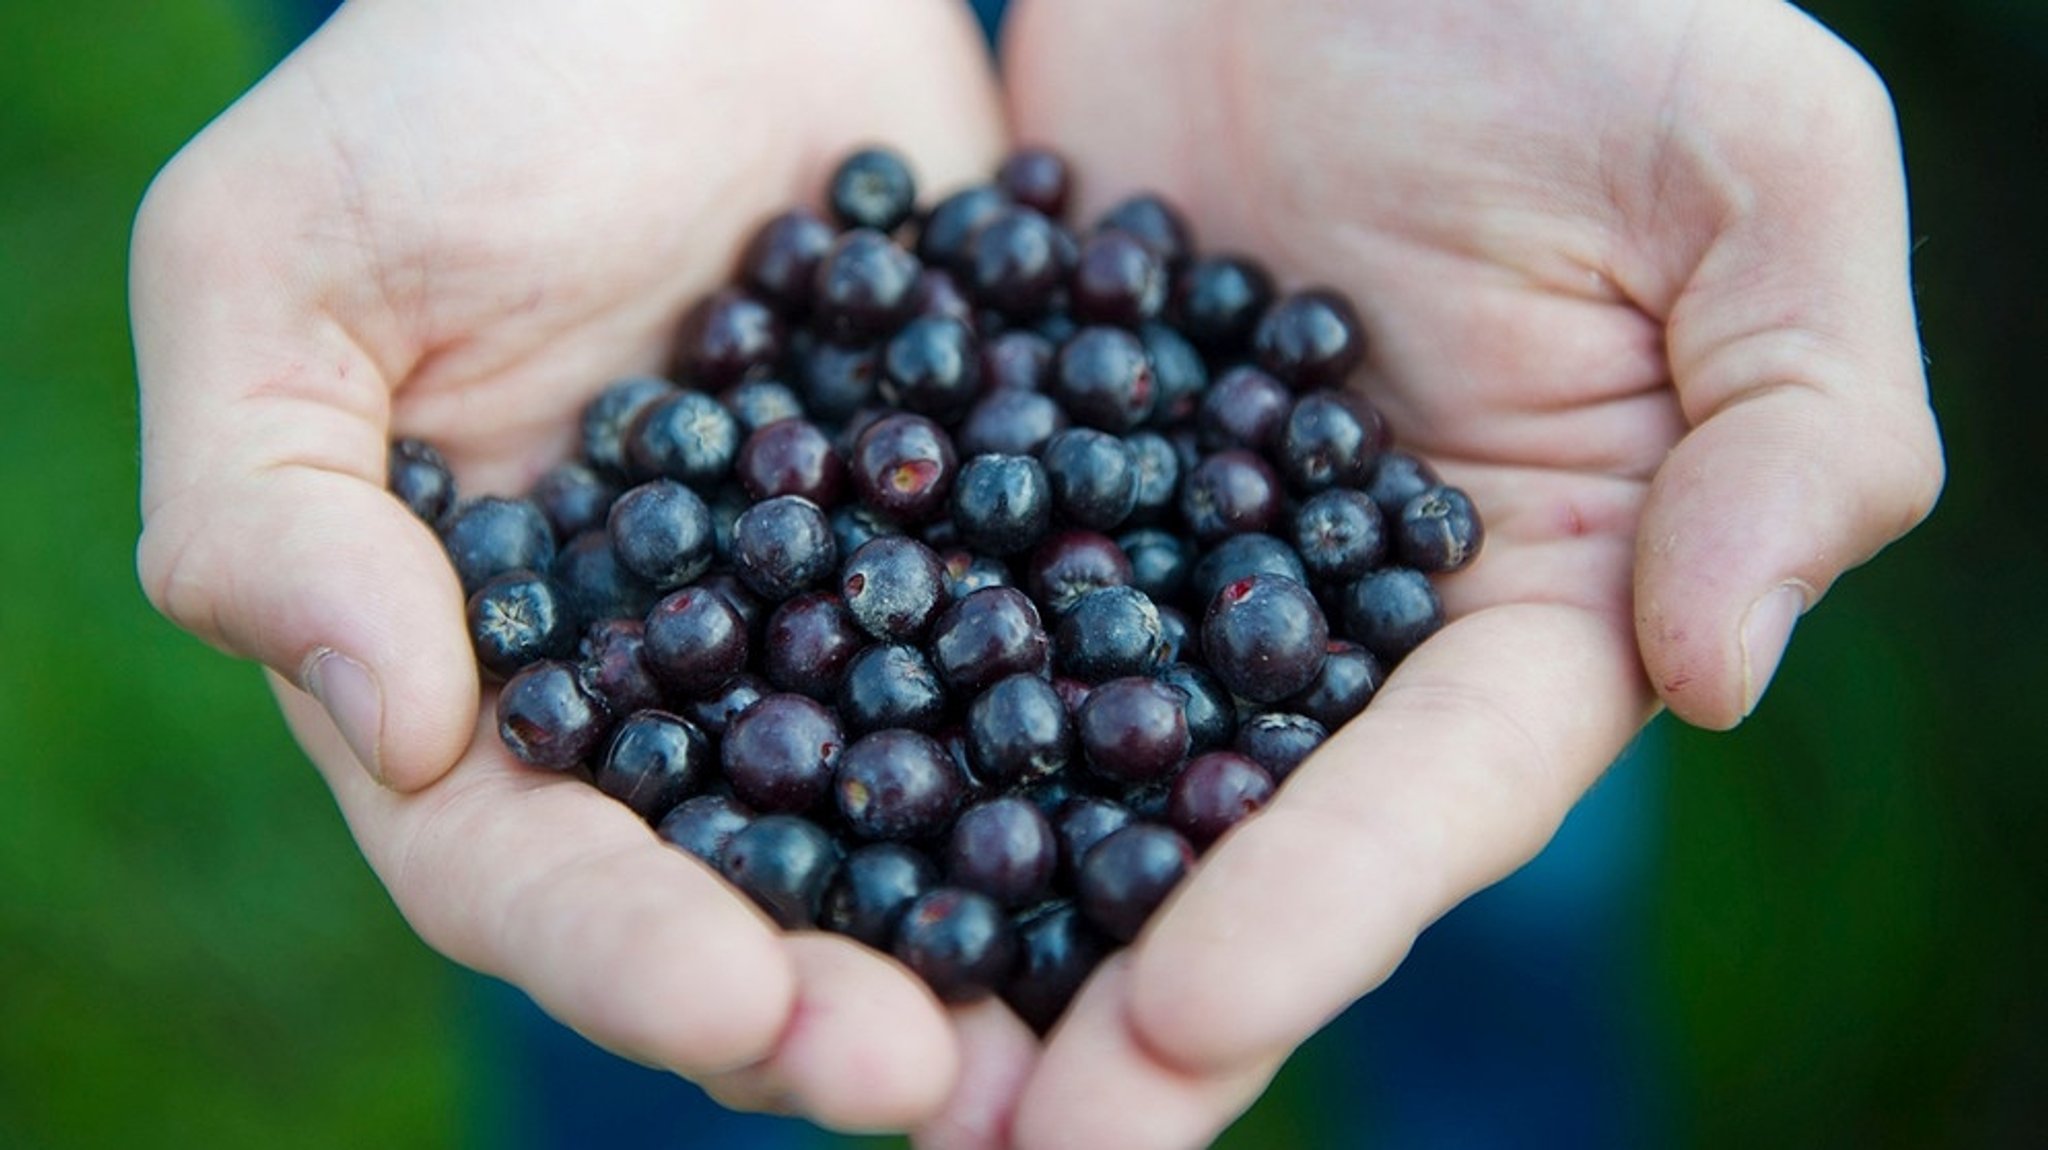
column 974, row 576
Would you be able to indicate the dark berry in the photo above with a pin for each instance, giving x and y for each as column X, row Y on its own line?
column 1239, row 557
column 1213, row 793
column 726, row 503
column 1438, row 531
column 854, row 526
column 1246, row 408
column 891, row 685
column 898, row 785
column 654, row 762
column 695, row 641
column 609, row 418
column 489, row 536
column 1391, row 611
column 1211, row 714
column 1158, row 468
column 519, row 618
column 688, row 437
column 574, row 498
column 791, row 457
column 1218, row 301
column 781, row 259
column 958, row 941
column 783, row 546
column 1230, row 493
column 547, row 719
column 1128, row 876
column 1134, row 730
column 953, row 222
column 1070, row 565
column 756, row 403
column 1014, row 262
column 728, row 337
column 1057, row 951
column 894, row 586
column 864, row 288
column 1310, row 339
column 876, row 884
column 1017, row 731
column 702, row 826
column 1094, row 477
column 1110, row 634
column 752, row 611
column 809, row 642
column 903, row 466
column 1148, row 802
column 837, row 381
column 1005, row 849
column 1036, row 178
column 1116, row 281
column 780, row 753
column 595, row 585
column 872, row 188
column 1011, row 421
column 939, row 295
column 1340, row 535
column 420, row 478
column 967, row 573
column 610, row 664
column 989, row 635
column 1003, row 504
column 1176, row 632
column 714, row 712
column 1153, row 222
column 1332, row 439
column 1104, row 378
column 1081, row 822
column 932, row 367
column 1021, row 359
column 1160, row 562
column 1347, row 682
column 1398, row 478
column 661, row 531
column 785, row 864
column 1265, row 637
column 1279, row 741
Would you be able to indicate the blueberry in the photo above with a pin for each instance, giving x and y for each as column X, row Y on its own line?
column 780, row 753
column 1134, row 730
column 1279, row 741
column 1241, row 556
column 903, row 466
column 420, row 478
column 872, row 188
column 1112, row 633
column 1349, row 678
column 958, row 941
column 1211, row 715
column 1158, row 471
column 932, row 367
column 728, row 337
column 1438, row 531
column 895, row 587
column 1245, row 408
column 688, row 437
column 865, row 287
column 1104, row 378
column 1230, row 493
column 782, row 258
column 891, row 685
column 809, row 643
column 988, row 635
column 1129, row 874
column 1011, row 421
column 609, row 417
column 785, row 864
column 837, row 380
column 1179, row 377
column 1154, row 223
column 1018, row 730
column 1176, row 633
column 655, row 761
column 1013, row 262
column 954, row 221
column 547, row 719
column 519, row 618
column 1310, row 339
column 714, row 712
column 939, row 295
column 875, row 886
column 1265, row 637
column 1005, row 849
column 661, row 531
column 1160, row 562
column 1070, row 565
column 1003, row 504
column 1213, row 793
column 611, row 667
column 594, row 584
column 752, row 611
column 791, row 457
column 1340, row 535
column 898, row 785
column 1019, row 359
column 1391, row 611
column 1036, row 178
column 1218, row 300
column 967, row 573
column 489, row 536
column 574, row 498
column 702, row 826
column 695, row 641
column 1330, row 439
column 783, row 546
column 1116, row 281
column 1094, row 477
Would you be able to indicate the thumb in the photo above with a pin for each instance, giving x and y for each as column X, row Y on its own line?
column 266, row 529
column 1793, row 348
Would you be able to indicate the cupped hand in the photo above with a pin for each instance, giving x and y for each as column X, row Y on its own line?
column 1636, row 278
column 457, row 220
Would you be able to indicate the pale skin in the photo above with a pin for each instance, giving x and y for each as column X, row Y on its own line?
column 1635, row 276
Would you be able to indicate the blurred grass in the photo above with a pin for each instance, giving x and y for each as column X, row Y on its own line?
column 1850, row 913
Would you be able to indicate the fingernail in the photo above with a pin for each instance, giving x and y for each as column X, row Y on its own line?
column 353, row 700
column 1766, row 629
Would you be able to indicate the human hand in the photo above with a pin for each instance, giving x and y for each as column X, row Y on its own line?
column 456, row 221
column 1636, row 278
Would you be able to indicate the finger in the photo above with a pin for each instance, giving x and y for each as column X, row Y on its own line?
column 1460, row 771
column 1794, row 351
column 1099, row 1085
column 997, row 1054
column 866, row 1047
column 267, row 531
column 542, row 880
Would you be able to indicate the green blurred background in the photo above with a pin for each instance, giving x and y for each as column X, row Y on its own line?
column 1851, row 890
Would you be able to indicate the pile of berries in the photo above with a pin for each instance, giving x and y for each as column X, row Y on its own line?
column 976, row 578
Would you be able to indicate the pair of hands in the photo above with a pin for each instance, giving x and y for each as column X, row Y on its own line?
column 1636, row 277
